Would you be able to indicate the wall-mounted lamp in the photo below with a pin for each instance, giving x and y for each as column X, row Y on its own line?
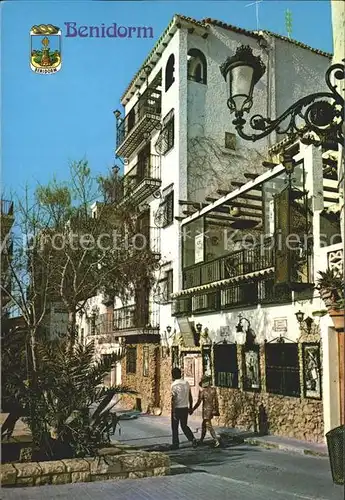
column 299, row 316
column 308, row 321
column 239, row 327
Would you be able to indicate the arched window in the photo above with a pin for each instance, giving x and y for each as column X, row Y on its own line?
column 197, row 66
column 169, row 72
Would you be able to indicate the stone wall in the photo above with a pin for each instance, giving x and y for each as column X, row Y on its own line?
column 286, row 416
column 165, row 384
column 146, row 385
column 114, row 467
column 293, row 417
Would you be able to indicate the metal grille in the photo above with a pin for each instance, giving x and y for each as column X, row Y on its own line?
column 225, row 365
column 282, row 369
column 131, row 360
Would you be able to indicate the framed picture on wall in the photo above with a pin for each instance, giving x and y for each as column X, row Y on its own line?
column 189, row 370
column 311, row 371
column 206, row 361
column 175, row 356
column 251, row 365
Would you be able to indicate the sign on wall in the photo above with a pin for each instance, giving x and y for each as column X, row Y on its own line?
column 280, row 325
column 189, row 370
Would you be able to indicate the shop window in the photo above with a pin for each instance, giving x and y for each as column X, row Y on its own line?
column 197, row 66
column 282, row 369
column 226, row 366
column 169, row 72
column 131, row 360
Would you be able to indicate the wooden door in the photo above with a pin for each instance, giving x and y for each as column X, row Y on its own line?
column 192, row 372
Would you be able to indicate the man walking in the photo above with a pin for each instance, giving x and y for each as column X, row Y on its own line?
column 181, row 404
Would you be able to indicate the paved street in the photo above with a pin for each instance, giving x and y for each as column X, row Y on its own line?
column 237, row 472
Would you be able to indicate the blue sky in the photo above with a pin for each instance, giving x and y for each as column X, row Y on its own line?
column 49, row 120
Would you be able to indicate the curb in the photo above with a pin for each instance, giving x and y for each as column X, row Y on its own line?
column 285, row 447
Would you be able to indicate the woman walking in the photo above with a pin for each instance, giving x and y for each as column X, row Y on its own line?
column 208, row 398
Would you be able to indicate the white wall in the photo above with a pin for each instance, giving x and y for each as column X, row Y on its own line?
column 298, row 72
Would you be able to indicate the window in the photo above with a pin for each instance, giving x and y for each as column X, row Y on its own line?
column 145, row 361
column 166, row 286
column 197, row 66
column 169, row 72
column 282, row 369
column 165, row 141
column 131, row 360
column 230, row 140
column 169, row 209
column 225, row 365
column 131, row 119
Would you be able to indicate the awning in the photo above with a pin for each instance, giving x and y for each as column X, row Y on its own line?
column 221, row 283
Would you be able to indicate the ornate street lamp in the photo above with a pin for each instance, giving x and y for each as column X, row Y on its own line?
column 299, row 316
column 321, row 113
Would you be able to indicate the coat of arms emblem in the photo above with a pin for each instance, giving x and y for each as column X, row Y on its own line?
column 45, row 57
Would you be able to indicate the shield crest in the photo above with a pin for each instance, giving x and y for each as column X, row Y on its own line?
column 45, row 56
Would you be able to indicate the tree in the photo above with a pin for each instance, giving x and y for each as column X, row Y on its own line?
column 93, row 252
column 29, row 269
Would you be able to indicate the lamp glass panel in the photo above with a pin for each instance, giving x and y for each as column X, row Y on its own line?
column 241, row 81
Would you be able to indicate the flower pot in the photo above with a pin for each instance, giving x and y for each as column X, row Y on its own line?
column 337, row 316
column 328, row 297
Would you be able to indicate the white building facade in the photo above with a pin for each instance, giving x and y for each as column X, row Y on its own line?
column 184, row 163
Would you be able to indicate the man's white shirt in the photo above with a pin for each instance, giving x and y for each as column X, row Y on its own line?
column 180, row 392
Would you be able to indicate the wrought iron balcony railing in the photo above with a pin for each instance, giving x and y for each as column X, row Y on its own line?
column 232, row 265
column 142, row 119
column 244, row 293
column 335, row 260
column 142, row 180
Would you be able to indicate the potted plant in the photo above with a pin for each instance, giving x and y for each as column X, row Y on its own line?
column 331, row 287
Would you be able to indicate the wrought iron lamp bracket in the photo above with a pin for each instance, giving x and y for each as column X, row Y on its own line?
column 316, row 112
column 280, row 340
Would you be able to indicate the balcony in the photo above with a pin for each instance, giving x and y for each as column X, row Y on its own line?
column 140, row 121
column 239, row 263
column 142, row 180
column 239, row 294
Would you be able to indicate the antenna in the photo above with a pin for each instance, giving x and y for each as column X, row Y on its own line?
column 288, row 22
column 256, row 3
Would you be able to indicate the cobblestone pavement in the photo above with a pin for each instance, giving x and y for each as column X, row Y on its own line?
column 237, row 472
